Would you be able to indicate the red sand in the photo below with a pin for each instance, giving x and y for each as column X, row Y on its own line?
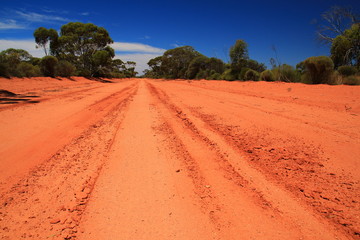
column 153, row 159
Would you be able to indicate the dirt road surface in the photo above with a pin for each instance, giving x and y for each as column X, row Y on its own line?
column 155, row 159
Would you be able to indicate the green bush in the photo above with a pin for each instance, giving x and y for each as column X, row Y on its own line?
column 228, row 75
column 4, row 71
column 251, row 75
column 48, row 65
column 347, row 70
column 25, row 69
column 215, row 76
column 267, row 75
column 286, row 73
column 319, row 70
column 242, row 73
column 65, row 69
column 352, row 80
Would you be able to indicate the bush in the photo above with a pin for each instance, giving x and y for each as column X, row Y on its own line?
column 48, row 65
column 215, row 76
column 267, row 75
column 351, row 80
column 25, row 69
column 251, row 75
column 228, row 75
column 319, row 70
column 4, row 71
column 242, row 73
column 347, row 70
column 65, row 69
column 286, row 73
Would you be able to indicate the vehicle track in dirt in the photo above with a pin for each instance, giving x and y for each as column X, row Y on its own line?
column 153, row 159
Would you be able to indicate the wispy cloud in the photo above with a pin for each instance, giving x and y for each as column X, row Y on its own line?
column 85, row 14
column 28, row 45
column 136, row 47
column 11, row 24
column 37, row 17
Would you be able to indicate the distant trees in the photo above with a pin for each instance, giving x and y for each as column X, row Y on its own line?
column 81, row 49
column 18, row 63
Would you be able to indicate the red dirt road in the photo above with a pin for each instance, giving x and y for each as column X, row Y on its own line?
column 152, row 159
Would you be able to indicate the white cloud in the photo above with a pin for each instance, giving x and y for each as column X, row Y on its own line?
column 84, row 14
column 136, row 47
column 28, row 45
column 11, row 24
column 36, row 17
column 141, row 59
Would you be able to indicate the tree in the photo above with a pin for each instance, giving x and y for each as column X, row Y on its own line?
column 175, row 62
column 79, row 42
column 345, row 48
column 335, row 21
column 239, row 52
column 43, row 36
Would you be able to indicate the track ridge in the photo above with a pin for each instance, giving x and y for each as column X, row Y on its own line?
column 244, row 170
column 69, row 168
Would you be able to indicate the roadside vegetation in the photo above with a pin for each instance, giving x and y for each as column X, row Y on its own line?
column 83, row 49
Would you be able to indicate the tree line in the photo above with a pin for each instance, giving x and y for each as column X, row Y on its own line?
column 81, row 49
column 343, row 65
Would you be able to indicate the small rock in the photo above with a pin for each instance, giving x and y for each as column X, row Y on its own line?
column 178, row 170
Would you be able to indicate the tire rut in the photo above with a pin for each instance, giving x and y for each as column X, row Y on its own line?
column 35, row 209
column 252, row 181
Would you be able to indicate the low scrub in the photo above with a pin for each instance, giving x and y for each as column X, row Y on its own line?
column 267, row 75
column 318, row 70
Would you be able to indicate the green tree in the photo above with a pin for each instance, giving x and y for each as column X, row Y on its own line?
column 48, row 65
column 239, row 52
column 43, row 36
column 175, row 62
column 334, row 23
column 79, row 42
column 345, row 49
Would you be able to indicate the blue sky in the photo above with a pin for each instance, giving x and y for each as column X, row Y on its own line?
column 142, row 30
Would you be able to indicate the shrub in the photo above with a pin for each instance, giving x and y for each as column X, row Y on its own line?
column 4, row 71
column 228, row 75
column 65, row 69
column 267, row 75
column 251, row 75
column 242, row 73
column 347, row 70
column 25, row 69
column 351, row 80
column 286, row 73
column 319, row 69
column 215, row 76
column 48, row 65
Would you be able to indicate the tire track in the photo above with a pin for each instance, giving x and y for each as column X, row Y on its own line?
column 35, row 209
column 271, row 196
